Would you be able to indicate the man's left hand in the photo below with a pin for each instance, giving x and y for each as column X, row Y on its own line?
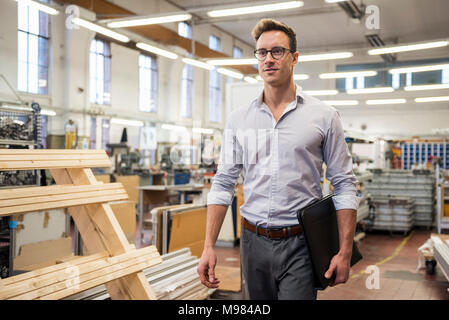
column 340, row 266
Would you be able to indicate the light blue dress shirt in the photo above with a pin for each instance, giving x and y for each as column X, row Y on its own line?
column 282, row 161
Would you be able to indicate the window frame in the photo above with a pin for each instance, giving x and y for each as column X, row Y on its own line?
column 106, row 73
column 153, row 72
column 215, row 99
column 42, row 43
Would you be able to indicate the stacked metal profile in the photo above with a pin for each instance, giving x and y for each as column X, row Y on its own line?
column 418, row 185
column 391, row 213
column 175, row 278
column 362, row 193
column 441, row 254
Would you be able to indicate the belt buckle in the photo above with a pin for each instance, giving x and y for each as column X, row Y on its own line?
column 273, row 237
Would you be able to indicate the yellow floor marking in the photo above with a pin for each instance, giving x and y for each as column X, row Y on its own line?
column 395, row 253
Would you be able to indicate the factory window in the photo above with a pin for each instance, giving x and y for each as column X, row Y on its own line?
column 187, row 91
column 93, row 133
column 106, row 124
column 349, row 83
column 445, row 76
column 237, row 53
column 396, row 80
column 360, row 82
column 33, row 49
column 100, row 72
column 185, row 30
column 147, row 83
column 408, row 79
column 214, row 85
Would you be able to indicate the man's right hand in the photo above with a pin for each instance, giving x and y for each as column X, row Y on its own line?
column 206, row 268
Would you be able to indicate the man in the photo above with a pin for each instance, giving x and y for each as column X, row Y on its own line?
column 299, row 133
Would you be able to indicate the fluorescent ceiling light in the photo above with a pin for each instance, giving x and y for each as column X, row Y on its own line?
column 432, row 99
column 173, row 127
column 198, row 64
column 99, row 29
column 250, row 80
column 232, row 62
column 341, row 102
column 44, row 112
column 370, row 90
column 126, row 122
column 334, row 1
column 411, row 47
column 325, row 56
column 39, row 6
column 230, row 73
column 352, row 74
column 321, row 92
column 385, row 101
column 47, row 112
column 427, row 87
column 300, row 76
column 142, row 21
column 433, row 67
column 203, row 130
column 255, row 9
column 156, row 50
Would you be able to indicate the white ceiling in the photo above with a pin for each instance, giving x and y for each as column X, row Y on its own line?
column 323, row 26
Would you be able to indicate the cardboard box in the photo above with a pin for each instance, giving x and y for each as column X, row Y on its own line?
column 130, row 183
column 446, row 209
column 43, row 254
column 188, row 230
column 125, row 212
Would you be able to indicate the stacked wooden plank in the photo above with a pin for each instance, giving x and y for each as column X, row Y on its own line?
column 112, row 261
column 25, row 159
column 65, row 279
column 18, row 201
column 175, row 278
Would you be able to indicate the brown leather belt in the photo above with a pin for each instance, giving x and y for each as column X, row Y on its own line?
column 275, row 233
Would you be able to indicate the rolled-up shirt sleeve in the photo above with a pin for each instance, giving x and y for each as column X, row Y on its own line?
column 229, row 168
column 339, row 166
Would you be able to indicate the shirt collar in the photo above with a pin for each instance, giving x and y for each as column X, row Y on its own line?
column 299, row 97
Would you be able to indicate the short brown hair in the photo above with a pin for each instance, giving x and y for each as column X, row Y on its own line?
column 265, row 25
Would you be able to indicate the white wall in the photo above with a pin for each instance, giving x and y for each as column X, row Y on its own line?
column 69, row 80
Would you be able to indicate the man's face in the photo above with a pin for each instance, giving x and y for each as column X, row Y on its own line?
column 276, row 72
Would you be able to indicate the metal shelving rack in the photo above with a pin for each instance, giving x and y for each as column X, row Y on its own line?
column 418, row 185
column 19, row 128
column 419, row 153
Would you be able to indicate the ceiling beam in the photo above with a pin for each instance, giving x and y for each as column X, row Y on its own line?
column 158, row 33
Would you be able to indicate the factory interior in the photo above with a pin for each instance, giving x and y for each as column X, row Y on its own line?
column 112, row 120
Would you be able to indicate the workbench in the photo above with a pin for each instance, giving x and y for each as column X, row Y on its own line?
column 158, row 195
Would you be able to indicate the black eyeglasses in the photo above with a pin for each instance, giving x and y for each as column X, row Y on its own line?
column 276, row 52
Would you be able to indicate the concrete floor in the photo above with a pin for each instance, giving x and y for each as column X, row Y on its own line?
column 396, row 257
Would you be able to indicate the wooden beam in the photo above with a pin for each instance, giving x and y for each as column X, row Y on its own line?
column 49, row 203
column 33, row 165
column 62, row 278
column 64, row 286
column 101, row 231
column 159, row 33
column 55, row 190
column 44, row 271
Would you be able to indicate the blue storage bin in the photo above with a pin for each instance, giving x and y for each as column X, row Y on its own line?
column 182, row 178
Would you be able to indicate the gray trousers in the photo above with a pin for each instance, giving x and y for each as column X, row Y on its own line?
column 276, row 269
